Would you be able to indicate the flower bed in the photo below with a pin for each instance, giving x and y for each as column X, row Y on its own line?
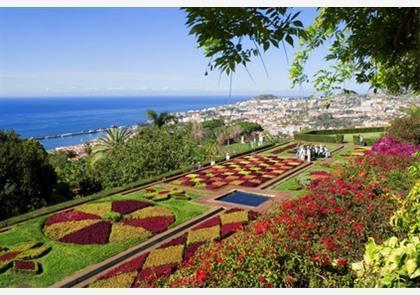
column 23, row 266
column 310, row 241
column 21, row 256
column 146, row 270
column 282, row 149
column 157, row 193
column 250, row 171
column 108, row 222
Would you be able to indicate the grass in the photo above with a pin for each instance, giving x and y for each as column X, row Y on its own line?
column 66, row 259
column 348, row 138
column 238, row 147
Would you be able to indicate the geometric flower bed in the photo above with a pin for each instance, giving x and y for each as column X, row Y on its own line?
column 108, row 222
column 159, row 194
column 319, row 174
column 20, row 257
column 358, row 151
column 146, row 270
column 250, row 171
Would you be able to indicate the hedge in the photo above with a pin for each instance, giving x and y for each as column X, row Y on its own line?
column 346, row 131
column 337, row 135
column 109, row 192
column 316, row 138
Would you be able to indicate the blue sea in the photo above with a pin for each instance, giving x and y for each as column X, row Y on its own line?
column 37, row 117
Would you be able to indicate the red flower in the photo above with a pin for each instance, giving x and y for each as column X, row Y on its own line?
column 201, row 275
column 341, row 262
column 261, row 227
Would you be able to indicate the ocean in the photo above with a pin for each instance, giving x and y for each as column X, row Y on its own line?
column 37, row 117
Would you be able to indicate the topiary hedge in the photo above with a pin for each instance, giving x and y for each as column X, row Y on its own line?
column 337, row 135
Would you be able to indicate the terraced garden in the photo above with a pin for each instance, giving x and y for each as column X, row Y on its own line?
column 47, row 249
column 90, row 233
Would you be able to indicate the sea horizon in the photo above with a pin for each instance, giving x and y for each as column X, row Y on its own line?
column 46, row 116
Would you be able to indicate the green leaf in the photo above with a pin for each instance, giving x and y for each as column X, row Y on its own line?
column 289, row 40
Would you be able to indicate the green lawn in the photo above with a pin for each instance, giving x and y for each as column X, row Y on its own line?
column 66, row 259
column 348, row 138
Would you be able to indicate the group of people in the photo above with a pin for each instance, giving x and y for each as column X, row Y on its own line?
column 311, row 152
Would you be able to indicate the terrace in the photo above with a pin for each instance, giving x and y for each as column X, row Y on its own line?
column 122, row 239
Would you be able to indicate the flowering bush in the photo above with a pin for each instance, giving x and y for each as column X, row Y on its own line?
column 390, row 146
column 392, row 264
column 406, row 128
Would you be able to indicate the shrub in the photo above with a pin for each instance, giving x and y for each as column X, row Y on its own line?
column 26, row 177
column 406, row 219
column 393, row 264
column 112, row 216
column 406, row 129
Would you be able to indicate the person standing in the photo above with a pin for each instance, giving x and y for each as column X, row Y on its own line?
column 308, row 154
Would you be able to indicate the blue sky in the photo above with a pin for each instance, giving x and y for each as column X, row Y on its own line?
column 123, row 51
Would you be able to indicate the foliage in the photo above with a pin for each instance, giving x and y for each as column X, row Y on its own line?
column 26, row 177
column 406, row 128
column 393, row 264
column 406, row 219
column 160, row 119
column 232, row 36
column 213, row 124
column 247, row 128
column 390, row 62
column 111, row 140
column 151, row 152
column 224, row 33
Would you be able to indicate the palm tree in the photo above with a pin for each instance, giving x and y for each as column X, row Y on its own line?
column 160, row 119
column 108, row 142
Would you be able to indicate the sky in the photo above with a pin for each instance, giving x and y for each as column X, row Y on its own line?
column 125, row 51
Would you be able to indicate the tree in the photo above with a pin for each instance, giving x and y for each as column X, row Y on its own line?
column 151, row 152
column 26, row 177
column 160, row 119
column 197, row 131
column 247, row 128
column 379, row 46
column 113, row 138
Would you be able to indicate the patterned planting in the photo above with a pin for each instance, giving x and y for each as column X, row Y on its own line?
column 157, row 193
column 108, row 222
column 21, row 257
column 146, row 269
column 250, row 171
column 319, row 175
